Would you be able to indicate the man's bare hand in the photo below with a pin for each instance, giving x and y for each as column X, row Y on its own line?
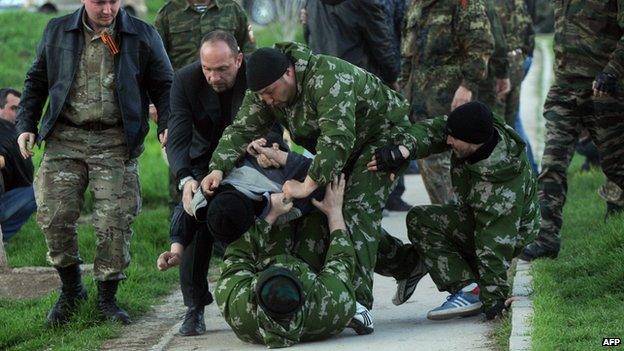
column 153, row 113
column 503, row 87
column 162, row 137
column 26, row 141
column 334, row 195
column 167, row 260
column 462, row 96
column 190, row 188
column 332, row 203
column 211, row 182
column 254, row 147
column 2, row 162
column 279, row 206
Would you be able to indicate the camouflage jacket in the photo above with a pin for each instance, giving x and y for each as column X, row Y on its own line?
column 516, row 23
column 501, row 194
column 182, row 28
column 338, row 109
column 498, row 64
column 445, row 39
column 588, row 38
column 328, row 293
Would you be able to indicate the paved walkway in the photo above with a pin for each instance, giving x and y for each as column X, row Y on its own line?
column 396, row 327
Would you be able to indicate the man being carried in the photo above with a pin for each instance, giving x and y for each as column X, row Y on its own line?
column 468, row 247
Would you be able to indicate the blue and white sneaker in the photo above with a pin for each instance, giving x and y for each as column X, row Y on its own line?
column 461, row 304
column 362, row 321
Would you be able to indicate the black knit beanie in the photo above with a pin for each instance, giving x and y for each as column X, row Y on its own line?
column 265, row 66
column 279, row 293
column 230, row 214
column 471, row 122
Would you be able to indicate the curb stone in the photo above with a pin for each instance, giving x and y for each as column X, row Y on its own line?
column 522, row 308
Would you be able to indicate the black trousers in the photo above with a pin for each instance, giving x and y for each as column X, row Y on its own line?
column 198, row 244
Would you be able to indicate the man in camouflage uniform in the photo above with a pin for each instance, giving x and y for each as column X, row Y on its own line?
column 323, row 301
column 587, row 93
column 517, row 28
column 335, row 110
column 99, row 67
column 183, row 23
column 468, row 247
column 446, row 47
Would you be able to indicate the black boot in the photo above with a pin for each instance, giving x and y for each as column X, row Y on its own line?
column 72, row 293
column 193, row 323
column 613, row 210
column 535, row 250
column 107, row 303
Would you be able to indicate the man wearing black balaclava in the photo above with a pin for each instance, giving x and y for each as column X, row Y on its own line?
column 468, row 247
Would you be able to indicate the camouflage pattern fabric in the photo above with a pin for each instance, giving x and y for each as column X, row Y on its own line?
column 182, row 27
column 73, row 159
column 342, row 114
column 588, row 40
column 612, row 193
column 447, row 43
column 329, row 296
column 567, row 111
column 497, row 213
column 519, row 38
column 92, row 94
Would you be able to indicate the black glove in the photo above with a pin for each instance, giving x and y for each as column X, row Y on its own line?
column 606, row 83
column 389, row 158
column 496, row 310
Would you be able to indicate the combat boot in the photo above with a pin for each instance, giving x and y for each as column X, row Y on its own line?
column 535, row 250
column 107, row 304
column 613, row 210
column 72, row 293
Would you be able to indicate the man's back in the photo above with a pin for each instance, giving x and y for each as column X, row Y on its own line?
column 355, row 31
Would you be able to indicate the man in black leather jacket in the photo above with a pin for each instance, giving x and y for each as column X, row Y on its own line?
column 98, row 68
column 356, row 31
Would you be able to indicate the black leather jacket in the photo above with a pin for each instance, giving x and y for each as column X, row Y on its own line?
column 142, row 70
column 355, row 31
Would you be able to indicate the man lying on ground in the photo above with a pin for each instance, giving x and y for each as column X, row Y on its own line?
column 273, row 297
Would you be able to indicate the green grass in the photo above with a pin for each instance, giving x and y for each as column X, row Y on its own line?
column 579, row 297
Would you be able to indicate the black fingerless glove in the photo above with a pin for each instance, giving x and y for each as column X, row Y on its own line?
column 389, row 158
column 496, row 310
column 606, row 83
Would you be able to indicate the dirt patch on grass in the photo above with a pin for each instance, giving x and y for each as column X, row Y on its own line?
column 30, row 282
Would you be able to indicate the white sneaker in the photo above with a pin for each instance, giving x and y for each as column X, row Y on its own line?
column 362, row 321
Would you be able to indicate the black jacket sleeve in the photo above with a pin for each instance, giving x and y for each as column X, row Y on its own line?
column 379, row 38
column 35, row 91
column 180, row 126
column 159, row 79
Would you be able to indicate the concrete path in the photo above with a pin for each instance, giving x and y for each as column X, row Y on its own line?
column 396, row 327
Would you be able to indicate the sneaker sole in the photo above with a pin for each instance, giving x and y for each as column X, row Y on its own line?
column 360, row 328
column 456, row 312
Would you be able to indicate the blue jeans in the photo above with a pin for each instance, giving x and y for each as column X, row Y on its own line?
column 16, row 206
column 518, row 125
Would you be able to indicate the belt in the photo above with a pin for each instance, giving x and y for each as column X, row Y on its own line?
column 94, row 126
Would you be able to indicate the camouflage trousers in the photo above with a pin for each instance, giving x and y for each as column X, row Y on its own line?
column 365, row 197
column 567, row 111
column 444, row 236
column 73, row 159
column 301, row 246
column 436, row 175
